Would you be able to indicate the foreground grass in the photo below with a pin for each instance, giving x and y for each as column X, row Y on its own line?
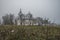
column 29, row 33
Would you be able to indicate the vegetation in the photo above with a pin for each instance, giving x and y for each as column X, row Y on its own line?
column 14, row 32
column 8, row 19
column 23, row 19
column 30, row 28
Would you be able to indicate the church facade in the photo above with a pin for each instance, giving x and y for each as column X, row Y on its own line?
column 27, row 19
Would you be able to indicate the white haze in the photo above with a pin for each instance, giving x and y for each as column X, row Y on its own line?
column 39, row 8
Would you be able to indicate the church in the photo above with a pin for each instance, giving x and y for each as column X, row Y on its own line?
column 27, row 19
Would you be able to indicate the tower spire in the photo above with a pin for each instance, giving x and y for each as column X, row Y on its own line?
column 20, row 12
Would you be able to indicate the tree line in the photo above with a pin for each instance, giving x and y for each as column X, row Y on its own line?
column 9, row 19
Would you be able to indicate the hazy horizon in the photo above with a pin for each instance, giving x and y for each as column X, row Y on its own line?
column 39, row 8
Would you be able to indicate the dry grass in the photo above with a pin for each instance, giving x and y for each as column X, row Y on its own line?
column 9, row 32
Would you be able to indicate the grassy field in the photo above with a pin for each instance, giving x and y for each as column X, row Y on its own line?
column 29, row 33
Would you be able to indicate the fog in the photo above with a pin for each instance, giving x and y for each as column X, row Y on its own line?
column 39, row 8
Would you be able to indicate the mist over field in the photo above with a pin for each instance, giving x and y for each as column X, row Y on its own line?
column 29, row 19
column 42, row 8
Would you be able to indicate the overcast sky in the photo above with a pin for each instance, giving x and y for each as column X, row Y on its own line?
column 39, row 8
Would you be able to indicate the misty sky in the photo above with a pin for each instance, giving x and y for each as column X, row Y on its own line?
column 39, row 8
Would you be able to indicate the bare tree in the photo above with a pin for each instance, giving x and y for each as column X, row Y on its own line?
column 15, row 21
column 11, row 17
column 46, row 21
column 5, row 19
column 0, row 22
column 39, row 20
column 8, row 19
